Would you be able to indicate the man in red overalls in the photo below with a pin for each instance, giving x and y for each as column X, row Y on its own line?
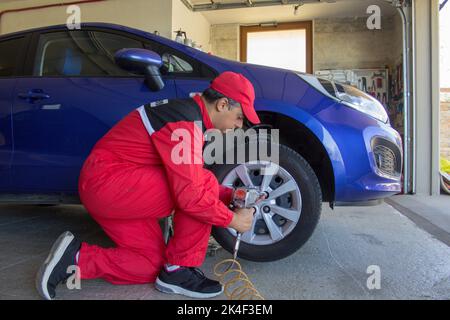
column 136, row 175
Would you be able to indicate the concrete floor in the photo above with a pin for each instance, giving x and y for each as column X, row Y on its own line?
column 332, row 265
column 431, row 213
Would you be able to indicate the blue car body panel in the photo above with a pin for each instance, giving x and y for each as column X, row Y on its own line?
column 53, row 136
column 6, row 140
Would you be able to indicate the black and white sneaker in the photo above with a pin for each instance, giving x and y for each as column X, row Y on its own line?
column 190, row 282
column 54, row 269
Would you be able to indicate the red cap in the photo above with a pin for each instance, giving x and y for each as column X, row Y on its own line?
column 239, row 88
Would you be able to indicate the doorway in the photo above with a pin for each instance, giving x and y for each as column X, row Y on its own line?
column 284, row 45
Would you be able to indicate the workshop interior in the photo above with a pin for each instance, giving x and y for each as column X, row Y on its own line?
column 224, row 150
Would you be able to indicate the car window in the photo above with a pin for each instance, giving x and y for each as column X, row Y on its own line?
column 9, row 53
column 172, row 64
column 81, row 53
column 178, row 64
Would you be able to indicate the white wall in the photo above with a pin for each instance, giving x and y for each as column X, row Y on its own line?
column 148, row 15
column 444, row 21
column 194, row 23
column 426, row 99
column 164, row 16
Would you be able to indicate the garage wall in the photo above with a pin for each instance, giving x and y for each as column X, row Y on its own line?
column 346, row 43
column 164, row 16
column 225, row 40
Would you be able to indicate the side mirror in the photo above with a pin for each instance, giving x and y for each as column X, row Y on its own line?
column 142, row 61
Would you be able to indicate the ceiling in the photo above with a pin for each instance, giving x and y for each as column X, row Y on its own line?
column 268, row 11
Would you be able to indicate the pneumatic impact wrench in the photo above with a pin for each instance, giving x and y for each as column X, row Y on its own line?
column 245, row 198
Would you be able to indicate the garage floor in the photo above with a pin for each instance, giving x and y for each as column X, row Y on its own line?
column 332, row 265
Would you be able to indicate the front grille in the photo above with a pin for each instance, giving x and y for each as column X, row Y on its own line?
column 388, row 158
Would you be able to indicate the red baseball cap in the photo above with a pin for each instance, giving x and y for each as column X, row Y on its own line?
column 239, row 88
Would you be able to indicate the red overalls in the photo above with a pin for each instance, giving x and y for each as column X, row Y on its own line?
column 130, row 181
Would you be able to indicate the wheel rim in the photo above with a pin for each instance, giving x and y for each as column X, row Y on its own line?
column 275, row 216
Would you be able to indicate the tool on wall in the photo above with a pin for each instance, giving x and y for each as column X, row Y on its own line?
column 237, row 285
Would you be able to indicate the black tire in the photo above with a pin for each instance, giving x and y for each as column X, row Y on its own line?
column 445, row 185
column 311, row 195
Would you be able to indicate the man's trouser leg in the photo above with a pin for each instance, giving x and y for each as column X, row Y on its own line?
column 141, row 251
column 127, row 202
column 138, row 257
column 189, row 243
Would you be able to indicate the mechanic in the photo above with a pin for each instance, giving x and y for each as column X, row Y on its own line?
column 132, row 179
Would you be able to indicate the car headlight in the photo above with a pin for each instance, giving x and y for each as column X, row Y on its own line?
column 349, row 96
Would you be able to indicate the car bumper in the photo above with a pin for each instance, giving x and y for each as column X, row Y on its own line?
column 372, row 157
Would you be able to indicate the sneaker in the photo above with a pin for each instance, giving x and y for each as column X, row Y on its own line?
column 54, row 269
column 190, row 282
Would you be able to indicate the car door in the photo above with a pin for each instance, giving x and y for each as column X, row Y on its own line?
column 75, row 93
column 10, row 61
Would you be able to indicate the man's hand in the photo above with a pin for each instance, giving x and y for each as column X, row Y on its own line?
column 242, row 220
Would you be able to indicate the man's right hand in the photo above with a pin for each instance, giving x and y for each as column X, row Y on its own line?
column 242, row 220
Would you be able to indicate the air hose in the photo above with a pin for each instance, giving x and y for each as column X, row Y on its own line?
column 237, row 285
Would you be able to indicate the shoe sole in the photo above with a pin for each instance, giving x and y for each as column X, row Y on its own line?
column 46, row 269
column 173, row 289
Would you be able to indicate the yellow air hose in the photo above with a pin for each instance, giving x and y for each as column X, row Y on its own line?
column 237, row 285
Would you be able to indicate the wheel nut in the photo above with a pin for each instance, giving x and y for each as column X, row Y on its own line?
column 266, row 209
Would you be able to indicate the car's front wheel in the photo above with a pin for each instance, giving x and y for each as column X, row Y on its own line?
column 286, row 219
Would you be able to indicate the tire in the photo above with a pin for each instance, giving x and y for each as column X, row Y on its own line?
column 263, row 247
column 445, row 185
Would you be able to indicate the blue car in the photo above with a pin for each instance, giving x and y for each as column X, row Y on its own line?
column 61, row 90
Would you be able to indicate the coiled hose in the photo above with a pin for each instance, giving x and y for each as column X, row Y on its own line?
column 237, row 285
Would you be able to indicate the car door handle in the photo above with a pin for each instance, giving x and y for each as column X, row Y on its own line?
column 34, row 95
